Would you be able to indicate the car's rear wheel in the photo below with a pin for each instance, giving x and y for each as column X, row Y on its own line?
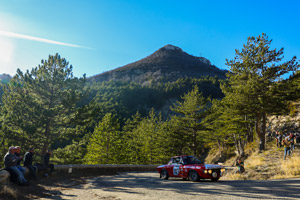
column 215, row 179
column 164, row 174
column 193, row 176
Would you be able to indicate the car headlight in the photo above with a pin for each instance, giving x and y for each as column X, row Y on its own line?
column 210, row 171
column 223, row 170
column 205, row 171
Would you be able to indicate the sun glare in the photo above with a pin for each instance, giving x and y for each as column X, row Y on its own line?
column 6, row 55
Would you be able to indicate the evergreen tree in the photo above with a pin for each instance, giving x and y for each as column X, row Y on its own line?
column 40, row 105
column 254, row 79
column 130, row 148
column 104, row 144
column 151, row 138
column 187, row 124
column 143, row 139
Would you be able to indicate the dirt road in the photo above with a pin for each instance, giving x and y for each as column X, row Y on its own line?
column 147, row 185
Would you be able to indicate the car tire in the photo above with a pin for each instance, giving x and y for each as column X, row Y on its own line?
column 164, row 174
column 214, row 179
column 193, row 176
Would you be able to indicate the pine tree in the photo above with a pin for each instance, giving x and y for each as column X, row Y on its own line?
column 130, row 148
column 40, row 105
column 254, row 80
column 187, row 126
column 104, row 144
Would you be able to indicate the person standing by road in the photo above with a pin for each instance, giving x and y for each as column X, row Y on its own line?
column 47, row 164
column 287, row 147
column 278, row 139
column 292, row 137
column 298, row 138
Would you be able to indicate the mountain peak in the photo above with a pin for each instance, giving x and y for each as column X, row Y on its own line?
column 171, row 47
column 169, row 63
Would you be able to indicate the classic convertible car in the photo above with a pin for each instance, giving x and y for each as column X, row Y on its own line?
column 189, row 167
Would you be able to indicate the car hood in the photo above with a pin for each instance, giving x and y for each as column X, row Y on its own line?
column 210, row 166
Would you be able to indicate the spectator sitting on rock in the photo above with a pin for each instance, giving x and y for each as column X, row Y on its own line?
column 10, row 162
column 28, row 162
column 17, row 153
column 240, row 164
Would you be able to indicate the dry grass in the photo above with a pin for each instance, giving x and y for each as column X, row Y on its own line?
column 7, row 192
column 234, row 176
column 254, row 161
column 261, row 166
column 289, row 168
column 268, row 164
column 252, row 165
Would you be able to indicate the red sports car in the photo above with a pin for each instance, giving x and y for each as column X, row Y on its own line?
column 189, row 167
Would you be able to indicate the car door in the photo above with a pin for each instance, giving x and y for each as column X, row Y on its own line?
column 181, row 168
column 169, row 167
column 177, row 165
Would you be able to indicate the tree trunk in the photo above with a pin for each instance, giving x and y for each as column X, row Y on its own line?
column 236, row 144
column 263, row 132
column 107, row 148
column 195, row 142
column 220, row 147
column 261, row 129
column 46, row 143
column 241, row 145
column 250, row 133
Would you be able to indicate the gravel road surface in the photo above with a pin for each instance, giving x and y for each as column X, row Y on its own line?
column 147, row 185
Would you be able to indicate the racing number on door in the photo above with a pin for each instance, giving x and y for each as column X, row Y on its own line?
column 176, row 170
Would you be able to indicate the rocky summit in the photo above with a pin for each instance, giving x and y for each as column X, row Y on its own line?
column 166, row 64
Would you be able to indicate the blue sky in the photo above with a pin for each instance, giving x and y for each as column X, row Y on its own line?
column 97, row 36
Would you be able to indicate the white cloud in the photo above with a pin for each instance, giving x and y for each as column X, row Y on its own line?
column 38, row 39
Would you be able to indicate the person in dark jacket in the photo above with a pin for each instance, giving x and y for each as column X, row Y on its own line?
column 298, row 138
column 10, row 162
column 47, row 164
column 292, row 138
column 28, row 162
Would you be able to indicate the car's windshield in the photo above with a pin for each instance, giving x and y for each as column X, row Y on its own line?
column 191, row 160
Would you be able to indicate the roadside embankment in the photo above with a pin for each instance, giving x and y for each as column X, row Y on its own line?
column 268, row 164
column 87, row 170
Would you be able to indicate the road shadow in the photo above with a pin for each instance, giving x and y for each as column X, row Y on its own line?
column 49, row 188
column 266, row 189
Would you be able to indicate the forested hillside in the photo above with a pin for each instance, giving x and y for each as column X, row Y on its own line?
column 157, row 81
column 142, row 113
column 126, row 98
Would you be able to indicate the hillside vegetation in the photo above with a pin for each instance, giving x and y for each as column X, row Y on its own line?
column 167, row 104
column 266, row 165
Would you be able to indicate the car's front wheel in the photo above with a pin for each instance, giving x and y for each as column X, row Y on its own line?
column 164, row 174
column 193, row 176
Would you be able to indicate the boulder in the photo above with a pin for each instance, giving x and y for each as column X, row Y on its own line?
column 4, row 176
